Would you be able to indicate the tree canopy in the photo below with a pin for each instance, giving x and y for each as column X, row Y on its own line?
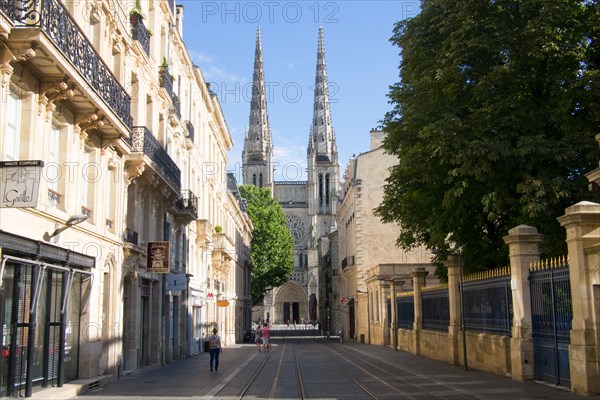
column 493, row 122
column 272, row 247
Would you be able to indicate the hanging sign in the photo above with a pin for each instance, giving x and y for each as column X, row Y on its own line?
column 222, row 303
column 157, row 259
column 20, row 183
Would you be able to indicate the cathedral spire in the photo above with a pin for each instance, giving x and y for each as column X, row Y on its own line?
column 322, row 136
column 258, row 146
column 258, row 125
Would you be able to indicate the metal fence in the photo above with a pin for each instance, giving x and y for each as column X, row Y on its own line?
column 406, row 311
column 436, row 309
column 487, row 302
column 552, row 314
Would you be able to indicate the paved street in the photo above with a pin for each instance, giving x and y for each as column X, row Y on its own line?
column 363, row 366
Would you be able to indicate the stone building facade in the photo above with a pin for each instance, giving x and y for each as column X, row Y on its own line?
column 134, row 146
column 310, row 206
column 369, row 260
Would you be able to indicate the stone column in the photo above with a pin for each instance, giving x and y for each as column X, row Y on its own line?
column 418, row 275
column 454, row 265
column 394, row 321
column 582, row 222
column 524, row 248
column 385, row 332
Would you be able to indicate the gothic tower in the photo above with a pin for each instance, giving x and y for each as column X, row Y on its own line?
column 257, row 155
column 323, row 167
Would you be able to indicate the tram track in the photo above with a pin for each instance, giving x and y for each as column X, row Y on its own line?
column 279, row 374
column 394, row 380
column 251, row 383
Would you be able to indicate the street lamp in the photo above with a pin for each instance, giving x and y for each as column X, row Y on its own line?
column 72, row 221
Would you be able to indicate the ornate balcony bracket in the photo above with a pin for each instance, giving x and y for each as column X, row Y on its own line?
column 13, row 55
column 133, row 170
column 51, row 93
column 87, row 123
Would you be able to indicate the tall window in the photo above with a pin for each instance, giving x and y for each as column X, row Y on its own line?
column 260, row 181
column 53, row 168
column 254, row 179
column 110, row 198
column 327, row 189
column 13, row 129
column 90, row 177
column 320, row 189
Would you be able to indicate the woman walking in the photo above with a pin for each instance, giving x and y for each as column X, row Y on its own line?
column 214, row 347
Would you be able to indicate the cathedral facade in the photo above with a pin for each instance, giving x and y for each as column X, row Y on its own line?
column 310, row 206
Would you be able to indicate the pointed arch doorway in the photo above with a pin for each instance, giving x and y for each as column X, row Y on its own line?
column 291, row 304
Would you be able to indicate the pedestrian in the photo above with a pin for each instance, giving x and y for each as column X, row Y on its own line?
column 214, row 347
column 266, row 335
column 341, row 332
column 258, row 337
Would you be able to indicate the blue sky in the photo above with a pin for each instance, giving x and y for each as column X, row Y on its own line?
column 361, row 64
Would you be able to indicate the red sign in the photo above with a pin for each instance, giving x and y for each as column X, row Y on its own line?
column 343, row 300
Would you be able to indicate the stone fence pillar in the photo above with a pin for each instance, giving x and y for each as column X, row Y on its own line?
column 582, row 222
column 418, row 275
column 454, row 265
column 524, row 248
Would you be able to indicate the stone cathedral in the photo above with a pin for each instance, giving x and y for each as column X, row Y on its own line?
column 310, row 206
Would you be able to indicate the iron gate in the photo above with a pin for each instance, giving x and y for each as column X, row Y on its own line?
column 551, row 312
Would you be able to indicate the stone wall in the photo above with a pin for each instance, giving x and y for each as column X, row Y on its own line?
column 487, row 352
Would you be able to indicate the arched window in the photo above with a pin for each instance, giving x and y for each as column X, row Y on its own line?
column 320, row 189
column 327, row 189
column 254, row 179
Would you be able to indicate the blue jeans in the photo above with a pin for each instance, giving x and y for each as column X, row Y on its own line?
column 214, row 357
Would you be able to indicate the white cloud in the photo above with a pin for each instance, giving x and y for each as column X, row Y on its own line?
column 211, row 71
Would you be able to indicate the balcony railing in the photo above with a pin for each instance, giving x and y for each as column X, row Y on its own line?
column 188, row 202
column 143, row 141
column 57, row 24
column 176, row 105
column 130, row 236
column 166, row 80
column 139, row 32
column 190, row 130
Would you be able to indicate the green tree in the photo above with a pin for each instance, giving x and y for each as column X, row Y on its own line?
column 272, row 248
column 493, row 122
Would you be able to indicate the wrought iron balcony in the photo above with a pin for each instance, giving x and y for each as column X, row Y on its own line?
column 186, row 207
column 166, row 80
column 176, row 105
column 130, row 236
column 190, row 130
column 139, row 32
column 56, row 23
column 143, row 141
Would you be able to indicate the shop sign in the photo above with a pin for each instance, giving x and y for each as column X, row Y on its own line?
column 158, row 257
column 20, row 183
